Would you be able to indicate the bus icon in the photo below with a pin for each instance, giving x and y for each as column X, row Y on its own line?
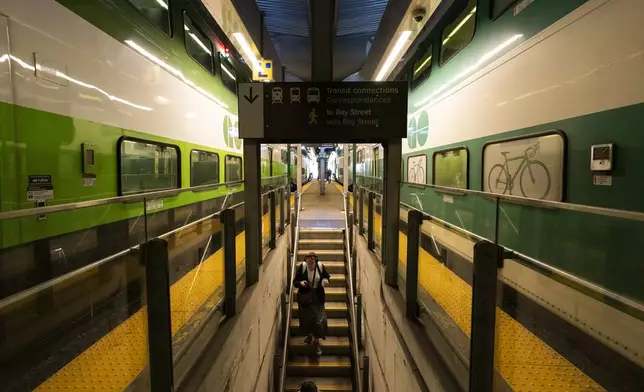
column 313, row 95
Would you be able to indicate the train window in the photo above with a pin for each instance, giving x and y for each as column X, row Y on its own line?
column 498, row 7
column 360, row 157
column 451, row 168
column 198, row 45
column 156, row 11
column 228, row 75
column 233, row 168
column 422, row 68
column 417, row 169
column 458, row 33
column 147, row 166
column 204, row 168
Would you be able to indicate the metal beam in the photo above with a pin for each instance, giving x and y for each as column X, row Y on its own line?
column 391, row 208
column 253, row 213
column 322, row 16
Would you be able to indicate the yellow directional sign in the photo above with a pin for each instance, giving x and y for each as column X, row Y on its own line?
column 265, row 71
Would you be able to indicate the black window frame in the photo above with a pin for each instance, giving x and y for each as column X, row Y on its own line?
column 467, row 164
column 170, row 25
column 241, row 164
column 442, row 62
column 119, row 163
column 223, row 62
column 204, row 35
column 192, row 182
column 417, row 82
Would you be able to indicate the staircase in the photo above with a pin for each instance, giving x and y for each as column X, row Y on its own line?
column 332, row 371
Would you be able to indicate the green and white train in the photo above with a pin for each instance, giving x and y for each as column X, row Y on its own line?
column 100, row 99
column 541, row 99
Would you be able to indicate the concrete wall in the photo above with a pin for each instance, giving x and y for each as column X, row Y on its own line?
column 240, row 356
column 401, row 356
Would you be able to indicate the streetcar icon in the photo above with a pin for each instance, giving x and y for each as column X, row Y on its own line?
column 313, row 95
column 295, row 94
column 277, row 95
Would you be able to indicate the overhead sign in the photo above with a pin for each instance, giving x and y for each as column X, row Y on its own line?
column 331, row 111
column 265, row 71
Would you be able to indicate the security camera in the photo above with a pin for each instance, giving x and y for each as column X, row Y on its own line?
column 419, row 14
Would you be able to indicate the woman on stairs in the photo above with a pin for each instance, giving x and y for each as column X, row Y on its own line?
column 310, row 279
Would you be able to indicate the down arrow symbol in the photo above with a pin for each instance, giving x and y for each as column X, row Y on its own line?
column 251, row 99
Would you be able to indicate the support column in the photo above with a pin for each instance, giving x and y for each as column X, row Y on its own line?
column 354, row 155
column 322, row 16
column 289, row 175
column 391, row 209
column 253, row 213
column 322, row 172
column 345, row 170
column 300, row 165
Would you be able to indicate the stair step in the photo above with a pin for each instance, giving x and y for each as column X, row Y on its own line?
column 325, row 365
column 337, row 327
column 308, row 244
column 333, row 310
column 333, row 345
column 323, row 254
column 336, row 294
column 336, row 267
column 324, row 384
column 321, row 234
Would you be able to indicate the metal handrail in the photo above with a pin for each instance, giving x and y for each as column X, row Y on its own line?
column 635, row 308
column 352, row 307
column 110, row 200
column 289, row 298
column 611, row 212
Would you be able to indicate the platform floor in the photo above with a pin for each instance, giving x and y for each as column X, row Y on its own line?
column 322, row 211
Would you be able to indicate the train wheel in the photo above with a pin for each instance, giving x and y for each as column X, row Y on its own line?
column 535, row 180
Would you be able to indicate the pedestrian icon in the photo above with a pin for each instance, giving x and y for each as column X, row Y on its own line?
column 277, row 95
column 313, row 117
column 313, row 95
column 295, row 94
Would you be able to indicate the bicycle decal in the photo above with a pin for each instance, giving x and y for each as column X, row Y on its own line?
column 417, row 169
column 532, row 175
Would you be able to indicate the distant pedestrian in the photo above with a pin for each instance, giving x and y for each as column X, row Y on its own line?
column 308, row 386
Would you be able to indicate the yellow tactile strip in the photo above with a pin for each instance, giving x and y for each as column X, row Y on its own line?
column 526, row 362
column 114, row 361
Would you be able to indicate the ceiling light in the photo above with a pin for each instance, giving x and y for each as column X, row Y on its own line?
column 422, row 65
column 228, row 72
column 393, row 55
column 247, row 50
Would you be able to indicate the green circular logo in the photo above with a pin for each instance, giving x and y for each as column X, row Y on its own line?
column 411, row 134
column 231, row 135
column 422, row 130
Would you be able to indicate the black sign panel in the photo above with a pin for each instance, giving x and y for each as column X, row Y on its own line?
column 333, row 111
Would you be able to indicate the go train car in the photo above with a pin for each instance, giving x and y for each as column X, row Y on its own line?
column 542, row 102
column 102, row 99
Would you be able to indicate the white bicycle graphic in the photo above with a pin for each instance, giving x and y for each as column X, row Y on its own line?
column 417, row 173
column 533, row 174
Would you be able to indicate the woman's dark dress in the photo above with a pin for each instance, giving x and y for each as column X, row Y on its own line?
column 312, row 317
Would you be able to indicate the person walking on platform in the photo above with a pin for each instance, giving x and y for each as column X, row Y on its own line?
column 310, row 279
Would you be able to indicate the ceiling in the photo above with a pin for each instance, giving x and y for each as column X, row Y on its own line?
column 288, row 24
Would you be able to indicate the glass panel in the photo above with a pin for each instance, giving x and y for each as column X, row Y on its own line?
column 471, row 212
column 204, row 168
column 365, row 210
column 233, row 168
column 266, row 225
column 198, row 45
column 156, row 11
column 148, row 166
column 70, row 287
column 422, row 68
column 228, row 75
column 458, row 33
column 377, row 221
column 450, row 168
column 445, row 276
column 402, row 250
column 278, row 212
column 572, row 296
column 240, row 238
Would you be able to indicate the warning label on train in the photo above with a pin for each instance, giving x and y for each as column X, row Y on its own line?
column 40, row 188
column 309, row 111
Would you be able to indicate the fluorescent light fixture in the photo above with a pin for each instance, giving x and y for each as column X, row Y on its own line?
column 201, row 44
column 460, row 25
column 162, row 4
column 247, row 50
column 393, row 55
column 228, row 72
